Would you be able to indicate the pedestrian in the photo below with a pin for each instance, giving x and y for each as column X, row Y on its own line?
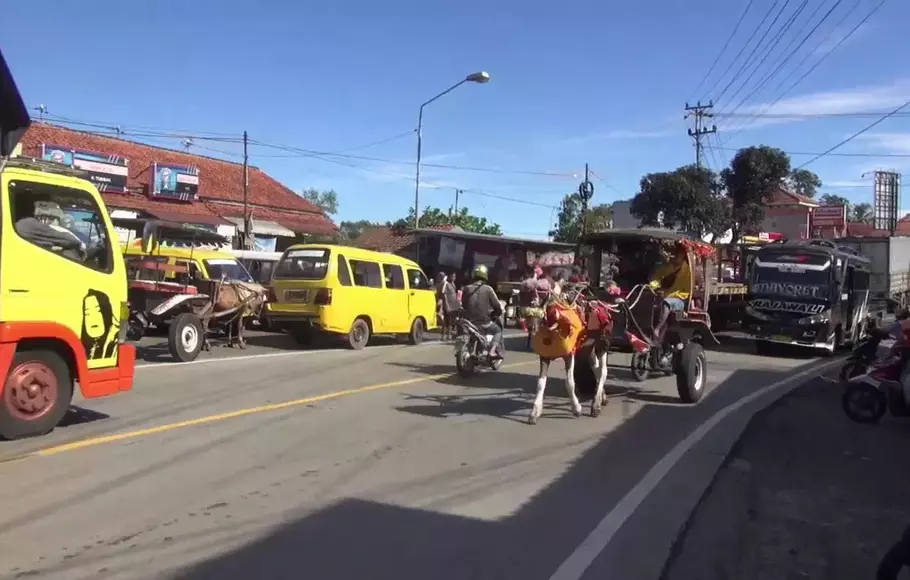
column 451, row 305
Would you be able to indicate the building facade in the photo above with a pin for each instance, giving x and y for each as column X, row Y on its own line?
column 138, row 180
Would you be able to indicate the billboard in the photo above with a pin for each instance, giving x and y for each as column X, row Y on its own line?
column 886, row 200
column 175, row 181
column 107, row 172
column 828, row 216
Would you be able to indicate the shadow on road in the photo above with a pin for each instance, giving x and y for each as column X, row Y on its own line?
column 357, row 539
column 740, row 343
column 80, row 416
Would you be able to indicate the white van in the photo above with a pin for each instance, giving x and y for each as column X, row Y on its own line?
column 259, row 264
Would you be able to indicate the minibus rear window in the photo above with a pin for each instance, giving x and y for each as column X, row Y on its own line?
column 303, row 264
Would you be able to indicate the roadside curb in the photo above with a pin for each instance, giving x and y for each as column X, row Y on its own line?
column 658, row 510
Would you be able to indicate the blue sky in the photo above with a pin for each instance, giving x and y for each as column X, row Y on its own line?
column 572, row 82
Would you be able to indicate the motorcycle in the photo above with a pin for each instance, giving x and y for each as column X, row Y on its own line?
column 864, row 353
column 472, row 347
column 868, row 396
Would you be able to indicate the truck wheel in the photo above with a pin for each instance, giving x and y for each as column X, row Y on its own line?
column 185, row 337
column 691, row 371
column 415, row 337
column 359, row 335
column 36, row 394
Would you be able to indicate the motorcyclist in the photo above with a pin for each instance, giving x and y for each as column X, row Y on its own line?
column 482, row 308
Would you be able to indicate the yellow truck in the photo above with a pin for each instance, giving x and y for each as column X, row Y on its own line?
column 63, row 301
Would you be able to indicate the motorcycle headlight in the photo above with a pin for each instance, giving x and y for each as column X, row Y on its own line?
column 814, row 319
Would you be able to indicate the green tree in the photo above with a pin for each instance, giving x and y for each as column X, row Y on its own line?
column 326, row 200
column 350, row 231
column 754, row 175
column 831, row 199
column 862, row 212
column 568, row 224
column 435, row 217
column 804, row 182
column 687, row 198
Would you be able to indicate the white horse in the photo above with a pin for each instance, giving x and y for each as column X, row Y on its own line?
column 597, row 360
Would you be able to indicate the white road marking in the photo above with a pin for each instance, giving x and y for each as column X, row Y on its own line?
column 201, row 361
column 575, row 566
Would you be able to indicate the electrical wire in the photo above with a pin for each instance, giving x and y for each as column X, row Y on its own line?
column 830, row 154
column 819, row 62
column 855, row 135
column 742, row 48
column 774, row 72
column 769, row 49
column 809, row 116
column 754, row 48
column 722, row 50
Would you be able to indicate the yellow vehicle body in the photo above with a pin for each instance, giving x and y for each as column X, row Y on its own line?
column 326, row 288
column 209, row 263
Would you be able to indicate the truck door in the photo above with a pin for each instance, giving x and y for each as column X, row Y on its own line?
column 57, row 261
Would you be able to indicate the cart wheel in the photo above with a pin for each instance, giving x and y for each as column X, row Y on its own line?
column 36, row 394
column 639, row 366
column 359, row 335
column 185, row 337
column 691, row 371
column 415, row 337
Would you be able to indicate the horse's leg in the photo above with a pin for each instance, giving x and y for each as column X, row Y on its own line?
column 570, row 384
column 241, row 341
column 599, row 364
column 537, row 409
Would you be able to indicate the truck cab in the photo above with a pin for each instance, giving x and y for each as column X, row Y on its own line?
column 62, row 285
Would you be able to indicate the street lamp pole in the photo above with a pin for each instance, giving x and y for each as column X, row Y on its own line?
column 478, row 77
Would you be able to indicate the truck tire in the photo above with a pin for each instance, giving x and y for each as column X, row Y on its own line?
column 185, row 337
column 691, row 373
column 36, row 394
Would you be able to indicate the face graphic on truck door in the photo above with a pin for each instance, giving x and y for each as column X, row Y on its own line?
column 99, row 329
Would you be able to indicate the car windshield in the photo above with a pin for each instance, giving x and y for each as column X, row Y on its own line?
column 229, row 268
column 795, row 279
column 303, row 264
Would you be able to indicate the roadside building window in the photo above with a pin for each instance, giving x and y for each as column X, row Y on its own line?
column 418, row 280
column 344, row 275
column 62, row 220
column 393, row 276
column 366, row 274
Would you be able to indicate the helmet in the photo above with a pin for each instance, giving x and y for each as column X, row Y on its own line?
column 480, row 272
column 903, row 314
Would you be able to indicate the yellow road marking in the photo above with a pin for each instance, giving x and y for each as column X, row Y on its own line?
column 93, row 441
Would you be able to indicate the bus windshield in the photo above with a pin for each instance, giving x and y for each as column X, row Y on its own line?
column 797, row 279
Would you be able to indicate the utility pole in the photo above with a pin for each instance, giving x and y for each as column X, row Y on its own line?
column 585, row 192
column 700, row 112
column 457, row 193
column 246, row 184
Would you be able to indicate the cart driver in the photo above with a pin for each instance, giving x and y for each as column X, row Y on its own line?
column 674, row 279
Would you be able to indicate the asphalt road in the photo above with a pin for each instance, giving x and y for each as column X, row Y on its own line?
column 333, row 464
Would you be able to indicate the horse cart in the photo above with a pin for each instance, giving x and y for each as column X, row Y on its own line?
column 193, row 309
column 620, row 265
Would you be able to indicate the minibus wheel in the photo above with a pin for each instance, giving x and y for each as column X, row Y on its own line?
column 415, row 337
column 36, row 394
column 359, row 335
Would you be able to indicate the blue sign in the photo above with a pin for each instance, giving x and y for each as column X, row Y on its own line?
column 107, row 172
column 175, row 181
column 264, row 243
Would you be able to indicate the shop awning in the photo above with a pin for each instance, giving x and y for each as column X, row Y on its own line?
column 264, row 228
column 209, row 219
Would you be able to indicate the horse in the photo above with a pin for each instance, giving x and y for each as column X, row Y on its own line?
column 576, row 322
column 234, row 301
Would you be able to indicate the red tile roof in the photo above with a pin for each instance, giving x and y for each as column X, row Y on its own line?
column 302, row 222
column 784, row 197
column 219, row 180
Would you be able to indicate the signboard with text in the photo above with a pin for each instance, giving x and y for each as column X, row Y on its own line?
column 107, row 172
column 179, row 182
column 827, row 216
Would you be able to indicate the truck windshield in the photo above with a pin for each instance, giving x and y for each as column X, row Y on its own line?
column 796, row 284
column 230, row 269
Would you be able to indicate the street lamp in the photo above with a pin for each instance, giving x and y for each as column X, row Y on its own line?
column 478, row 77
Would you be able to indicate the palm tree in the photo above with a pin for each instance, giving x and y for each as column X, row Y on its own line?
column 862, row 212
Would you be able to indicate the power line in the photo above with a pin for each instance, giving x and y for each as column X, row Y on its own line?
column 830, row 154
column 855, row 135
column 757, row 45
column 770, row 48
column 742, row 48
column 775, row 71
column 805, row 116
column 722, row 50
column 822, row 59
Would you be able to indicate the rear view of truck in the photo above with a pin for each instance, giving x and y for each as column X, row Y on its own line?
column 889, row 281
column 62, row 285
